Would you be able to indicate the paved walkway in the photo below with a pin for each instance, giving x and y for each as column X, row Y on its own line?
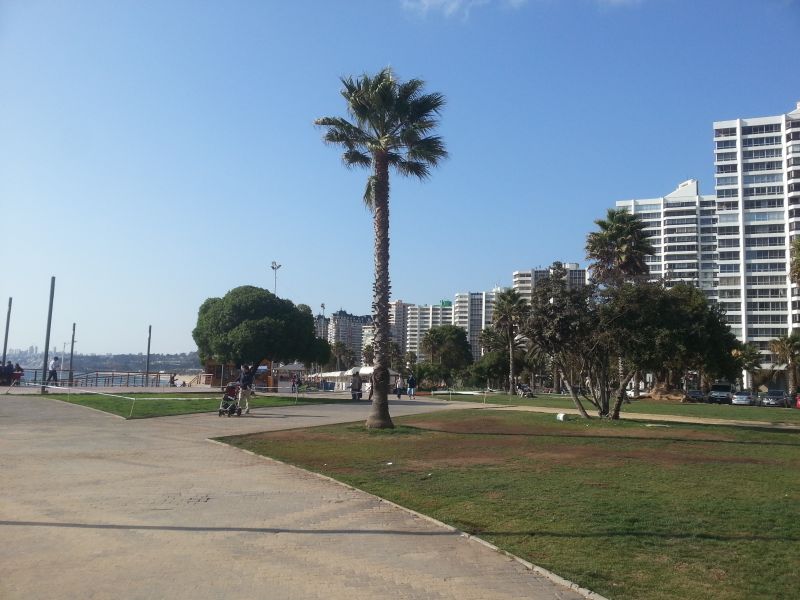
column 93, row 506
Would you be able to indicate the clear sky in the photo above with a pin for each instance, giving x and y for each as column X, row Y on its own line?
column 155, row 153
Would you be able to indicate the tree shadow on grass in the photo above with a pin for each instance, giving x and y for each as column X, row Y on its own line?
column 581, row 436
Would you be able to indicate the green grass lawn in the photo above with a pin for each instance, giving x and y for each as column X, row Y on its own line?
column 162, row 405
column 627, row 510
column 645, row 406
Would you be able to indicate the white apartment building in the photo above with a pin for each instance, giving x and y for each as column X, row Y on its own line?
column 757, row 165
column 472, row 311
column 420, row 318
column 682, row 228
column 525, row 281
column 735, row 244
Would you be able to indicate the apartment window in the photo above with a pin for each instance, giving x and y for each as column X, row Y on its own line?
column 730, row 280
column 680, row 221
column 763, row 216
column 729, row 255
column 765, row 306
column 764, row 254
column 756, row 129
column 771, row 228
column 770, row 203
column 730, row 230
column 767, row 293
column 766, row 279
column 768, row 190
column 725, row 132
column 770, row 332
column 729, row 218
column 727, row 205
column 731, row 181
column 779, row 267
column 763, row 153
column 679, row 213
column 767, row 319
column 730, row 306
column 727, row 194
column 765, row 241
column 737, row 293
column 733, row 319
column 769, row 165
column 725, row 156
column 727, row 168
column 680, row 238
column 728, row 243
column 773, row 178
column 762, row 141
column 725, row 144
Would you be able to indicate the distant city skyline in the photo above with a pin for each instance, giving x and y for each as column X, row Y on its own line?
column 156, row 155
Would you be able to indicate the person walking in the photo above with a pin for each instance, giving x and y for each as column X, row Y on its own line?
column 412, row 387
column 16, row 377
column 371, row 386
column 398, row 387
column 246, row 387
column 355, row 386
column 52, row 370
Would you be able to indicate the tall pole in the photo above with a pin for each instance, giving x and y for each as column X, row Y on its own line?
column 5, row 340
column 147, row 366
column 47, row 335
column 275, row 266
column 71, row 353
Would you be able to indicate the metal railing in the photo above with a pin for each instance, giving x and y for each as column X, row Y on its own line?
column 99, row 379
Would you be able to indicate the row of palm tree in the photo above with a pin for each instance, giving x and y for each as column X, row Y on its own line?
column 390, row 126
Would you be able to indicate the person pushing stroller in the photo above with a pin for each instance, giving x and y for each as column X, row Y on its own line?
column 246, row 387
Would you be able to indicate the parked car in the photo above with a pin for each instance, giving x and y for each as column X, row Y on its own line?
column 721, row 393
column 744, row 398
column 695, row 396
column 775, row 398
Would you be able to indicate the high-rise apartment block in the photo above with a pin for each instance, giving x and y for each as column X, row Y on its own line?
column 525, row 281
column 346, row 328
column 421, row 318
column 472, row 311
column 398, row 318
column 735, row 245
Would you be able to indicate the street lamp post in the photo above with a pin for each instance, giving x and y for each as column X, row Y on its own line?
column 275, row 266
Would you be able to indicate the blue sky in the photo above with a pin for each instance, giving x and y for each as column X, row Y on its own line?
column 157, row 153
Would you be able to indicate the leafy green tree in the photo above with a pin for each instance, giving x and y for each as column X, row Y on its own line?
column 447, row 345
column 250, row 324
column 509, row 314
column 391, row 125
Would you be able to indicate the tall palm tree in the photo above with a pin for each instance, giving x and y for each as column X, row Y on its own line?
column 618, row 249
column 794, row 260
column 390, row 126
column 509, row 313
column 786, row 349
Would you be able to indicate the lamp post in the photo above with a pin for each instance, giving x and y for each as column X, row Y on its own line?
column 275, row 266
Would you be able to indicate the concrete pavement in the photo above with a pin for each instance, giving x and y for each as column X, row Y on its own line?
column 93, row 506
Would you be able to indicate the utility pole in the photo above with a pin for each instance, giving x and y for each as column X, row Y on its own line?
column 147, row 365
column 71, row 353
column 47, row 335
column 5, row 340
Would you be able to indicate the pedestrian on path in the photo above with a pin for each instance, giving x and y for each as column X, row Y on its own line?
column 52, row 374
column 412, row 387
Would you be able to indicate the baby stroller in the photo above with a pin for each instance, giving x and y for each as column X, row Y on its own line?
column 229, row 405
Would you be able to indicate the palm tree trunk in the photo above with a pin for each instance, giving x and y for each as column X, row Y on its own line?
column 511, row 387
column 379, row 412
